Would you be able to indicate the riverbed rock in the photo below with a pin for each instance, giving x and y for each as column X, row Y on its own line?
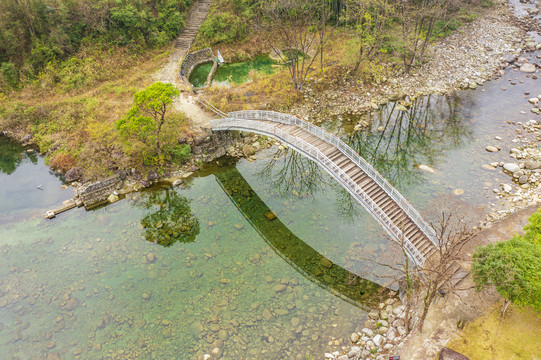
column 401, row 107
column 426, row 168
column 368, row 332
column 532, row 164
column 458, row 192
column 355, row 352
column 449, row 354
column 491, row 148
column 177, row 182
column 528, row 68
column 267, row 315
column 511, row 167
column 378, row 340
column 270, row 215
column 354, row 338
column 71, row 304
column 523, row 179
column 112, row 198
column 151, row 258
column 507, row 188
column 72, row 174
column 248, row 150
column 152, row 175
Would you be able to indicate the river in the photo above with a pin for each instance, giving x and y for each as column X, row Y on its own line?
column 131, row 280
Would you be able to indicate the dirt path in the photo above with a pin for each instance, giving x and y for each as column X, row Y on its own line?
column 169, row 73
column 467, row 305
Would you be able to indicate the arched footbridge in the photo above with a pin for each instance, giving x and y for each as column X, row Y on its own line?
column 397, row 217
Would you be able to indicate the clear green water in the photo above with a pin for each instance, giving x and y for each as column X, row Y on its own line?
column 233, row 73
column 126, row 281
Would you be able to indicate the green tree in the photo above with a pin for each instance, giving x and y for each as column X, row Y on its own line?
column 513, row 267
column 146, row 118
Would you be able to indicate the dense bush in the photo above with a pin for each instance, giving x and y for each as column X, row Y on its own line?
column 227, row 21
column 35, row 33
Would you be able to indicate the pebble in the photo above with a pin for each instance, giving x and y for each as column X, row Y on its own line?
column 528, row 68
column 511, row 167
column 267, row 315
column 151, row 258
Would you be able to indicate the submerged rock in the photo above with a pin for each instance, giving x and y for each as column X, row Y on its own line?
column 528, row 68
column 270, row 215
column 426, row 168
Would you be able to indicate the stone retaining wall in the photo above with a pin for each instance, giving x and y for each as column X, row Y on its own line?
column 95, row 193
column 193, row 59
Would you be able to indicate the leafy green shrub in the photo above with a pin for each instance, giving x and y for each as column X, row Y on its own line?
column 10, row 74
column 181, row 152
column 223, row 27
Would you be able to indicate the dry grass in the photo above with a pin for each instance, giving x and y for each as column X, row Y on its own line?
column 517, row 336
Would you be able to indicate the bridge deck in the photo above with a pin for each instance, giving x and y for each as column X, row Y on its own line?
column 370, row 187
column 401, row 221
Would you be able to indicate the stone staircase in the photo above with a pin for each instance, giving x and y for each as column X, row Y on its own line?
column 197, row 15
column 170, row 72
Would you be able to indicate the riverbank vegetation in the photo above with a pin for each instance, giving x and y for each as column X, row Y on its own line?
column 345, row 45
column 69, row 69
column 513, row 266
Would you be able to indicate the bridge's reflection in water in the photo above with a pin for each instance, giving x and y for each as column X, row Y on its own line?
column 306, row 260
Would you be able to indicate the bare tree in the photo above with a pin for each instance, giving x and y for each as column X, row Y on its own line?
column 418, row 18
column 368, row 19
column 453, row 222
column 297, row 33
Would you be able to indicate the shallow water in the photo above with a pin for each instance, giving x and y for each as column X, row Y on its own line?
column 131, row 281
column 233, row 73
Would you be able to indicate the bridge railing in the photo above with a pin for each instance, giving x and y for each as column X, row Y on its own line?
column 313, row 152
column 351, row 154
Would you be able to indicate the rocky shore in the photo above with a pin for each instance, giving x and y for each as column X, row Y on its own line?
column 469, row 57
column 384, row 333
column 206, row 148
column 523, row 165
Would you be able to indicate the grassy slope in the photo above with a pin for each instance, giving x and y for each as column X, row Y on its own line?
column 518, row 336
column 74, row 124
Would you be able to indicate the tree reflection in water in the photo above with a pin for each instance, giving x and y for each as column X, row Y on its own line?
column 171, row 219
column 297, row 174
column 12, row 154
column 431, row 127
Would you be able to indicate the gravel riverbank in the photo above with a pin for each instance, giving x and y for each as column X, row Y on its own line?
column 474, row 54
